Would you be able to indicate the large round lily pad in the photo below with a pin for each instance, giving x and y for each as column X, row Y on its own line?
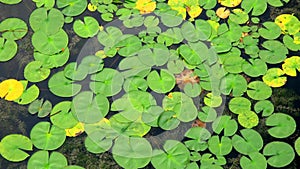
column 13, row 28
column 282, row 125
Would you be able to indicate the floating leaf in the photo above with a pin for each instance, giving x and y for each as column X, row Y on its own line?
column 276, row 52
column 226, row 124
column 61, row 86
column 264, row 106
column 201, row 30
column 96, row 142
column 174, row 155
column 230, row 3
column 250, row 141
column 158, row 56
column 87, row 28
column 198, row 137
column 72, row 7
column 161, row 83
column 75, row 72
column 88, row 108
column 145, row 6
column 39, row 106
column 129, row 46
column 49, row 22
column 212, row 100
column 61, row 115
column 233, row 83
column 41, row 160
column 29, row 95
column 274, row 77
column 8, row 49
column 258, row 7
column 290, row 65
column 297, row 145
column 270, row 31
column 10, row 2
column 238, row 16
column 135, row 83
column 168, row 121
column 238, row 105
column 256, row 160
column 48, row 4
column 288, row 23
column 282, row 125
column 258, row 90
column 254, row 67
column 110, row 37
column 223, row 12
column 281, row 154
column 46, row 136
column 151, row 115
column 35, row 72
column 220, row 147
column 13, row 147
column 75, row 131
column 248, row 119
column 53, row 61
column 11, row 89
column 13, row 28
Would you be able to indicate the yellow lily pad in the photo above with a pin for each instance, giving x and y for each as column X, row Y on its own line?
column 145, row 6
column 229, row 3
column 91, row 7
column 76, row 130
column 191, row 7
column 290, row 65
column 11, row 89
column 222, row 12
column 274, row 77
column 289, row 24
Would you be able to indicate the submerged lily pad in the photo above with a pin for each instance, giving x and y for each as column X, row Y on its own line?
column 41, row 158
column 13, row 147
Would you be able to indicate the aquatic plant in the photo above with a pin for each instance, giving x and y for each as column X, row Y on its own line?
column 162, row 66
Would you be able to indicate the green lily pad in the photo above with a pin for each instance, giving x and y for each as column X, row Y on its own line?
column 255, row 67
column 110, row 37
column 72, row 7
column 91, row 63
column 96, row 142
column 238, row 16
column 212, row 100
column 135, row 83
column 53, row 61
column 275, row 52
column 151, row 115
column 132, row 66
column 128, row 155
column 192, row 90
column 233, row 64
column 221, row 44
column 35, row 72
column 75, row 72
column 40, row 107
column 174, row 155
column 8, row 49
column 220, row 147
column 63, row 87
column 264, row 106
column 41, row 160
column 207, row 114
column 258, row 90
column 226, row 124
column 107, row 82
column 248, row 119
column 274, row 77
column 49, row 22
column 10, row 2
column 13, row 28
column 191, row 56
column 238, row 105
column 161, row 83
column 290, row 65
column 128, row 46
column 198, row 137
column 158, row 56
column 46, row 136
column 281, row 154
column 256, row 160
column 168, row 121
column 50, row 44
column 175, row 66
column 73, row 167
column 87, row 28
column 270, row 31
column 29, row 94
column 297, row 145
column 249, row 142
column 256, row 6
column 233, row 83
column 88, row 108
column 61, row 115
column 13, row 147
column 201, row 30
column 282, row 125
column 48, row 4
column 170, row 18
column 290, row 43
column 170, row 36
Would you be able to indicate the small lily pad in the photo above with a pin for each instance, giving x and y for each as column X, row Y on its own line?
column 168, row 121
column 161, row 83
column 61, row 115
column 283, row 125
column 40, row 107
column 226, row 124
column 249, row 142
column 8, row 49
column 87, row 28
column 255, row 67
column 264, row 106
column 274, row 77
column 207, row 114
column 29, row 95
column 256, row 160
column 258, row 90
column 220, row 147
column 248, row 119
column 212, row 100
column 275, row 52
column 270, row 31
column 72, row 7
column 233, row 83
column 35, row 72
column 238, row 105
column 198, row 137
column 290, row 65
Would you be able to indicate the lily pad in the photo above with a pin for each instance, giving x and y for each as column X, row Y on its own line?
column 48, row 4
column 88, row 108
column 35, row 72
column 290, row 65
column 282, row 125
column 220, row 147
column 258, row 90
column 233, row 83
column 46, row 136
column 274, row 77
column 250, row 141
column 53, row 61
column 275, row 52
column 135, row 83
column 11, row 89
column 256, row 160
column 96, row 142
column 87, row 28
column 264, row 106
column 40, row 107
column 230, row 3
column 129, row 46
column 29, row 95
column 254, row 67
column 13, row 28
column 248, row 119
column 238, row 16
column 207, row 114
column 63, row 87
column 174, row 155
column 72, row 7
column 132, row 66
column 49, row 22
column 107, row 82
column 109, row 37
column 258, row 7
column 226, row 124
column 61, row 115
column 168, row 121
column 238, row 105
column 198, row 138
column 41, row 160
column 281, row 154
column 270, row 31
column 297, row 146
column 13, row 147
column 74, row 72
column 161, row 83
column 201, row 30
column 91, row 63
column 212, row 100
column 8, row 49
column 158, row 56
column 10, row 2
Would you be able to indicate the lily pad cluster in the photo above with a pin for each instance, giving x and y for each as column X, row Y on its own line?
column 175, row 68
